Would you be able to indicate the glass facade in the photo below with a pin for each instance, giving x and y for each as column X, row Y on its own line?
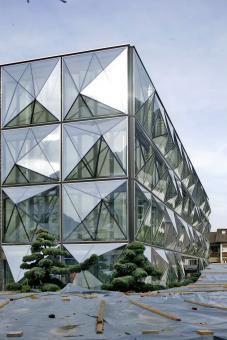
column 88, row 152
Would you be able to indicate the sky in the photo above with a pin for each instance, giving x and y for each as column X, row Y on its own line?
column 183, row 44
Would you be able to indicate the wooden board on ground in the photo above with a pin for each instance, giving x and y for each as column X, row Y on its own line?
column 14, row 334
column 155, row 310
column 4, row 303
column 205, row 332
column 208, row 305
column 100, row 318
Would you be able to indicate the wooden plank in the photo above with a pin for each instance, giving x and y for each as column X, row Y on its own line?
column 4, row 303
column 32, row 296
column 100, row 318
column 155, row 310
column 151, row 331
column 208, row 305
column 65, row 298
column 14, row 334
column 205, row 332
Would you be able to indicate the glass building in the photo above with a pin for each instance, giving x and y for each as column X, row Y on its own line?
column 89, row 152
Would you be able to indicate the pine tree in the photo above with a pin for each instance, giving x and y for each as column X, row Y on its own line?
column 43, row 264
column 132, row 269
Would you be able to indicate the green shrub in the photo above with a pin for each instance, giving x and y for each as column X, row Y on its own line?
column 50, row 287
column 14, row 286
column 131, row 270
column 44, row 262
column 25, row 288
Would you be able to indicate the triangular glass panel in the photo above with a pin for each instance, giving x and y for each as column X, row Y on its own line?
column 71, row 218
column 108, row 228
column 144, row 233
column 143, row 86
column 41, row 70
column 88, row 280
column 148, row 175
column 110, row 87
column 25, row 138
column 81, row 170
column 81, row 252
column 78, row 140
column 70, row 91
column 145, row 115
column 26, row 81
column 84, row 68
column 161, row 252
column 20, row 194
column 172, row 218
column 32, row 114
column 106, row 56
column 9, row 208
column 16, row 105
column 79, row 109
column 83, row 200
column 147, row 253
column 99, row 109
column 50, row 146
column 159, row 128
column 29, row 224
column 77, row 66
column 79, row 233
column 22, row 175
column 16, row 70
column 37, row 161
column 108, row 164
column 116, row 138
column 142, row 205
column 15, row 230
column 109, row 187
column 14, row 255
column 98, row 162
column 9, row 85
column 50, row 94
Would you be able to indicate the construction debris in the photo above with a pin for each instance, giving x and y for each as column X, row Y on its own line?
column 208, row 305
column 15, row 334
column 81, row 313
column 100, row 318
column 205, row 332
column 155, row 310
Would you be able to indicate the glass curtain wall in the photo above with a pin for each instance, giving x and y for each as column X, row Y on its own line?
column 66, row 160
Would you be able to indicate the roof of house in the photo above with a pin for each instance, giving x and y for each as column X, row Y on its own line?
column 219, row 236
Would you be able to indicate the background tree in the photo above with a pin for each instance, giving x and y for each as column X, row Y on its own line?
column 132, row 269
column 44, row 266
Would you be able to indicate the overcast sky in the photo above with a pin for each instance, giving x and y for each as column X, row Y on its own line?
column 183, row 44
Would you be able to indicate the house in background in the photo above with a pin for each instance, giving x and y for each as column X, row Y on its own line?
column 218, row 246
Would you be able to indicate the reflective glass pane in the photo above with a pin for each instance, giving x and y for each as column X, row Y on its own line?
column 26, row 210
column 32, row 154
column 98, row 148
column 95, row 211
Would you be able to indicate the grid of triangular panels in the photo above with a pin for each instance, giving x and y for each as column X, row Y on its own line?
column 91, row 130
column 155, row 132
column 92, row 211
column 91, row 85
column 170, row 263
column 31, row 93
column 159, row 225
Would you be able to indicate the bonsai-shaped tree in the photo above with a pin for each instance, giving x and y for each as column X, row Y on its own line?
column 132, row 269
column 44, row 264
